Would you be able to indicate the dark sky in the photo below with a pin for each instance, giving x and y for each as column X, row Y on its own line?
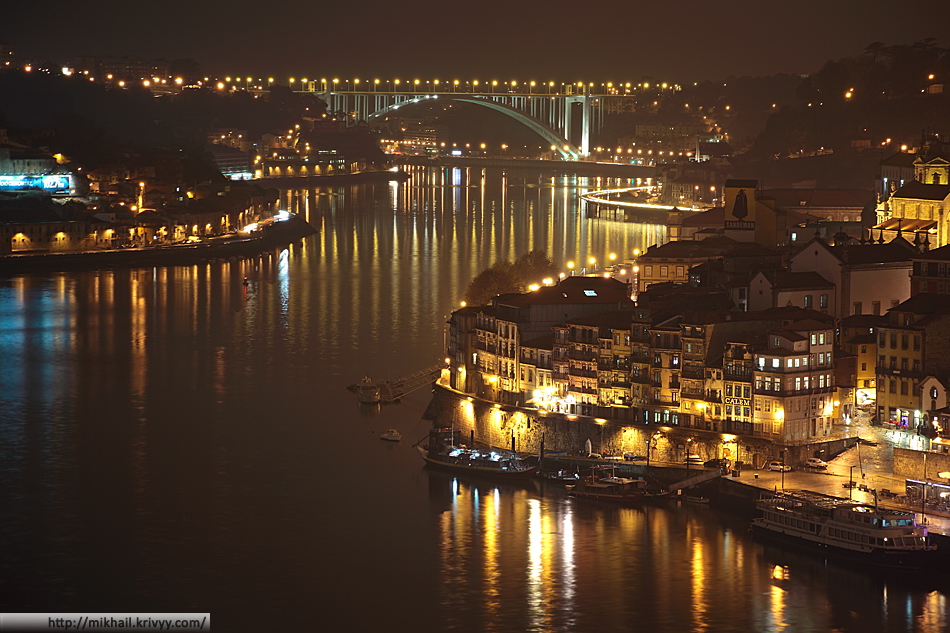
column 589, row 40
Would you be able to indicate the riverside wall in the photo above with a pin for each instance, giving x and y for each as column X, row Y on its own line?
column 503, row 426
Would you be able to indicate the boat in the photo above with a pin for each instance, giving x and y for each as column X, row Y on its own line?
column 368, row 391
column 391, row 435
column 443, row 451
column 845, row 527
column 613, row 489
column 563, row 477
column 695, row 499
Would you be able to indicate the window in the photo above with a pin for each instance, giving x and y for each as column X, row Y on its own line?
column 864, row 349
column 648, row 271
column 821, row 338
column 776, row 362
column 814, row 339
column 664, row 271
column 881, row 339
column 864, row 366
column 728, row 389
column 680, row 271
column 823, row 302
column 808, row 301
column 903, row 387
column 747, row 393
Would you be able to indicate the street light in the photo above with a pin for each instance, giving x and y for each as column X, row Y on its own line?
column 783, row 468
column 850, row 481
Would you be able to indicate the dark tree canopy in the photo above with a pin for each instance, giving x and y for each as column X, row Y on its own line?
column 504, row 276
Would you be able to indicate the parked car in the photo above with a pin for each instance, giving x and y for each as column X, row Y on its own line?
column 779, row 467
column 814, row 462
column 693, row 459
column 716, row 463
column 630, row 457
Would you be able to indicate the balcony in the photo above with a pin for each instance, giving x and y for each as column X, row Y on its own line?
column 692, row 371
column 586, row 390
column 788, row 393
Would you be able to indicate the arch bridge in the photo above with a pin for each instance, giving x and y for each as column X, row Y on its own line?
column 552, row 112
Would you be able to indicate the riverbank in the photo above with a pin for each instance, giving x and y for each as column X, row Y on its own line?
column 268, row 235
column 359, row 178
column 580, row 168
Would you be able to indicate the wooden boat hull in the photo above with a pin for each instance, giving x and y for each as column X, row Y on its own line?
column 470, row 467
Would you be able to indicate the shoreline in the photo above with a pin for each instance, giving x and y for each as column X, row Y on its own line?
column 357, row 178
column 274, row 235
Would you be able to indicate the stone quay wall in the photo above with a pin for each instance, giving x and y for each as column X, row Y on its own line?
column 505, row 426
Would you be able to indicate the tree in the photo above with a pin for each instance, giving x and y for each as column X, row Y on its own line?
column 503, row 277
column 490, row 283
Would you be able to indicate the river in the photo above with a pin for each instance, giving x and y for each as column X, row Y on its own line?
column 173, row 440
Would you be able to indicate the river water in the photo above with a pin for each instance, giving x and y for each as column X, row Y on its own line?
column 172, row 440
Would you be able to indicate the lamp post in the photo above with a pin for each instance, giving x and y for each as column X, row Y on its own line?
column 850, row 481
column 783, row 469
column 688, row 445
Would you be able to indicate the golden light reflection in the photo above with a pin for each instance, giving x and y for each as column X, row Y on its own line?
column 699, row 601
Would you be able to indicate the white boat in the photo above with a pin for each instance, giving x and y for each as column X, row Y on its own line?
column 845, row 527
column 368, row 391
column 391, row 435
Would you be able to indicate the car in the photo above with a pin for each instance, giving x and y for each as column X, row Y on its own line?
column 693, row 459
column 779, row 467
column 630, row 457
column 716, row 463
column 814, row 462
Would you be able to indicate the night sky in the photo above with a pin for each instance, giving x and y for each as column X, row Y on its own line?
column 593, row 40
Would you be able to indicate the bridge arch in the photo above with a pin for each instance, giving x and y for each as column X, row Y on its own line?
column 565, row 148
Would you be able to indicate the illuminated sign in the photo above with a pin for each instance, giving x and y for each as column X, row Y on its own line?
column 740, row 401
column 50, row 182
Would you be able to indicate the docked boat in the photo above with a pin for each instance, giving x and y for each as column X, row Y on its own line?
column 845, row 527
column 695, row 499
column 368, row 391
column 614, row 489
column 392, row 435
column 562, row 477
column 443, row 451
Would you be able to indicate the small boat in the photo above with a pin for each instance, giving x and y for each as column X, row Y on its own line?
column 391, row 435
column 560, row 477
column 613, row 489
column 445, row 453
column 845, row 528
column 368, row 391
column 695, row 499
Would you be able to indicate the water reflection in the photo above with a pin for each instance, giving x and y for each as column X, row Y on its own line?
column 175, row 437
column 543, row 562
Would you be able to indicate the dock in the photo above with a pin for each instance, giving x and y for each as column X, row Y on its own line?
column 394, row 390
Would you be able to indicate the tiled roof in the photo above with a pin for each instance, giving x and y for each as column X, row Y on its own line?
column 824, row 198
column 797, row 281
column 573, row 290
column 920, row 191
